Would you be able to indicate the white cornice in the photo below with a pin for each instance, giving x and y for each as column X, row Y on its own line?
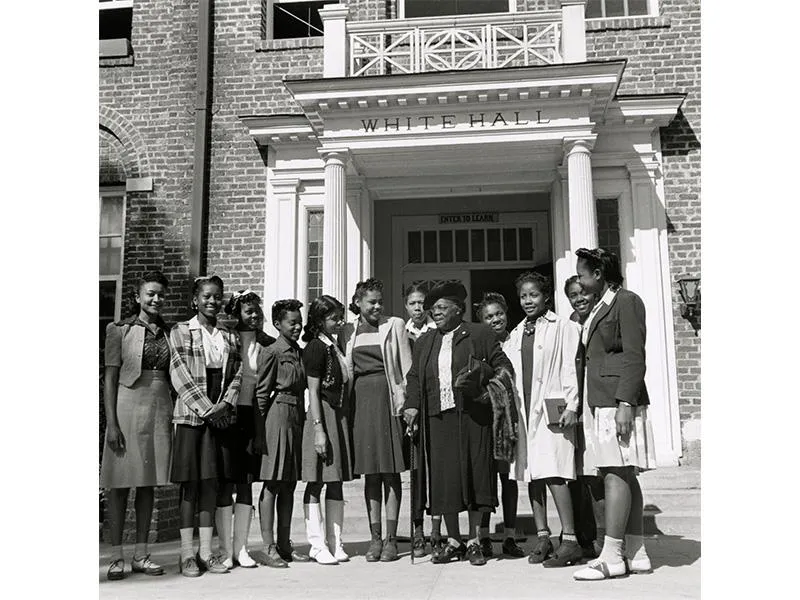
column 276, row 130
column 646, row 112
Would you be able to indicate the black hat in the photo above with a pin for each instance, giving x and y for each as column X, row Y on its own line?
column 449, row 290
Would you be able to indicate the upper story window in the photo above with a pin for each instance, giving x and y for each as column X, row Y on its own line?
column 112, row 235
column 441, row 8
column 116, row 21
column 294, row 18
column 606, row 9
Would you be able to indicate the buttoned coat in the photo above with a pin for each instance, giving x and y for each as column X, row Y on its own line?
column 554, row 375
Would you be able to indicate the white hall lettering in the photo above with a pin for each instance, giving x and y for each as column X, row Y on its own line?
column 451, row 121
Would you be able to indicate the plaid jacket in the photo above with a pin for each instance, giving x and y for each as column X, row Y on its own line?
column 188, row 372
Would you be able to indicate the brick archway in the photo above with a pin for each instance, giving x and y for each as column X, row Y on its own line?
column 122, row 149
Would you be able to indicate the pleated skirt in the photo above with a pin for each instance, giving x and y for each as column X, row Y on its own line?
column 338, row 463
column 284, row 439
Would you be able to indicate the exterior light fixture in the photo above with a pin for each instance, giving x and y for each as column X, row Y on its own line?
column 690, row 294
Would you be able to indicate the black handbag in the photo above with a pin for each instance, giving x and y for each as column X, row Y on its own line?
column 472, row 379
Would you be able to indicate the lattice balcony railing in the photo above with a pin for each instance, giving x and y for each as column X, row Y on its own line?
column 442, row 44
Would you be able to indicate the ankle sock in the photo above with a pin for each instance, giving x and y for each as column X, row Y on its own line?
column 612, row 550
column 140, row 551
column 454, row 542
column 569, row 537
column 205, row 542
column 543, row 533
column 187, row 542
column 116, row 552
column 634, row 547
column 510, row 532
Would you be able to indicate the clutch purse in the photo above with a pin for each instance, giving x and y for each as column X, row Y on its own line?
column 473, row 377
column 553, row 408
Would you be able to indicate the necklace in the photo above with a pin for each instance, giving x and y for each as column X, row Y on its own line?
column 530, row 327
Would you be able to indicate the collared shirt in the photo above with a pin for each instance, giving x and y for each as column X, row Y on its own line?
column 414, row 332
column 607, row 299
column 213, row 344
column 250, row 349
column 446, row 398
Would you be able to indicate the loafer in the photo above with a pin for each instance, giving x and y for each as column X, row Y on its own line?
column 568, row 554
column 486, row 547
column 450, row 553
column 597, row 570
column 418, row 548
column 437, row 545
column 541, row 551
column 212, row 565
column 374, row 551
column 475, row 555
column 116, row 570
column 511, row 549
column 291, row 555
column 189, row 568
column 146, row 566
column 639, row 566
column 389, row 551
column 273, row 559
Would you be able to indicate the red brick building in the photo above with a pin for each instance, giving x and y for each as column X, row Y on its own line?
column 420, row 141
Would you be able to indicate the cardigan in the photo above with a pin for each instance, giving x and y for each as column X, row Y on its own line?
column 396, row 352
column 614, row 361
column 125, row 346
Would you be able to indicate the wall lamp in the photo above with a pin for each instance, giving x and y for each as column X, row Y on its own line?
column 690, row 294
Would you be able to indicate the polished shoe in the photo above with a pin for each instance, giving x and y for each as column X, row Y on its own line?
column 212, row 565
column 188, row 567
column 116, row 570
column 291, row 555
column 568, row 554
column 374, row 551
column 450, row 553
column 437, row 546
column 639, row 566
column 389, row 552
column 511, row 549
column 146, row 566
column 486, row 547
column 597, row 570
column 475, row 555
column 541, row 551
column 273, row 559
column 418, row 548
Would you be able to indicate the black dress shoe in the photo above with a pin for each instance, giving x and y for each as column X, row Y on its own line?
column 450, row 553
column 374, row 551
column 475, row 555
column 389, row 551
column 486, row 547
column 289, row 554
column 568, row 554
column 437, row 545
column 511, row 549
column 418, row 544
column 541, row 551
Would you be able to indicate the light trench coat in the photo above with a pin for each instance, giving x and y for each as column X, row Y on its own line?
column 545, row 451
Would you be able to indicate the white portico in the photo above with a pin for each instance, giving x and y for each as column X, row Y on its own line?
column 518, row 154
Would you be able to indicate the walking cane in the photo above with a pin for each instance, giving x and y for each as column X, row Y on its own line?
column 413, row 457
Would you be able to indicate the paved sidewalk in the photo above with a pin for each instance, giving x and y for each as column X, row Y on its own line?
column 676, row 563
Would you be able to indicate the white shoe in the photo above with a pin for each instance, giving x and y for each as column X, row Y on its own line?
column 242, row 517
column 598, row 570
column 314, row 526
column 334, row 518
column 639, row 565
column 223, row 516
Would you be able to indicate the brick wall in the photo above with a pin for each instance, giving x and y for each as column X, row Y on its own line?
column 663, row 56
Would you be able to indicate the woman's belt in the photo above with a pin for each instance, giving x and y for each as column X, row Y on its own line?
column 287, row 398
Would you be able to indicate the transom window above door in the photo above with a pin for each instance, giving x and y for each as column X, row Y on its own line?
column 478, row 245
column 440, row 8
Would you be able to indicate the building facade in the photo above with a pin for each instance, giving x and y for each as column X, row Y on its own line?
column 325, row 142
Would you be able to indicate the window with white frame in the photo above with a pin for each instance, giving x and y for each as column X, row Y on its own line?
column 112, row 235
column 314, row 254
column 286, row 19
column 607, row 9
column 439, row 8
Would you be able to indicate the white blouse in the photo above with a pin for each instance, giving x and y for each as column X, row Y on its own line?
column 446, row 398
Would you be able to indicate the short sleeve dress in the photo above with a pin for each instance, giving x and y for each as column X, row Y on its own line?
column 322, row 362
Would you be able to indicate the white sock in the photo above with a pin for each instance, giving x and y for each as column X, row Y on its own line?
column 483, row 532
column 140, row 551
column 454, row 542
column 187, row 542
column 474, row 541
column 634, row 547
column 612, row 550
column 205, row 542
column 510, row 532
column 569, row 537
column 116, row 552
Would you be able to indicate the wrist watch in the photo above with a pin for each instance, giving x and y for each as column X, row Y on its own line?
column 317, row 421
column 622, row 402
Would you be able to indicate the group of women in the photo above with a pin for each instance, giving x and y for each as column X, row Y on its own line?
column 558, row 403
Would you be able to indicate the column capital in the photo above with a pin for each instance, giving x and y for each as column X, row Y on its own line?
column 643, row 169
column 335, row 11
column 584, row 144
column 335, row 155
column 285, row 185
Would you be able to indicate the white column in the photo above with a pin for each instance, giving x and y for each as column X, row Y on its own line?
column 282, row 259
column 562, row 266
column 582, row 208
column 355, row 267
column 573, row 31
column 333, row 18
column 334, row 241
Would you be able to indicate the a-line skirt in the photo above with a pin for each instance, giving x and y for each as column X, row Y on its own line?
column 238, row 463
column 377, row 433
column 144, row 414
column 197, row 454
column 551, row 451
column 463, row 473
column 284, row 433
column 605, row 449
column 338, row 463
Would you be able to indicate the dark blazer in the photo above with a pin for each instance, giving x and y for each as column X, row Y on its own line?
column 580, row 362
column 476, row 339
column 614, row 354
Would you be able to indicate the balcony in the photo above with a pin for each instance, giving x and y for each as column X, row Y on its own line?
column 422, row 45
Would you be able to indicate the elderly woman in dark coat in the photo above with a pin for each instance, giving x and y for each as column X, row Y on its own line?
column 446, row 388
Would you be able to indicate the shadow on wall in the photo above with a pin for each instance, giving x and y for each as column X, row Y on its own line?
column 678, row 138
